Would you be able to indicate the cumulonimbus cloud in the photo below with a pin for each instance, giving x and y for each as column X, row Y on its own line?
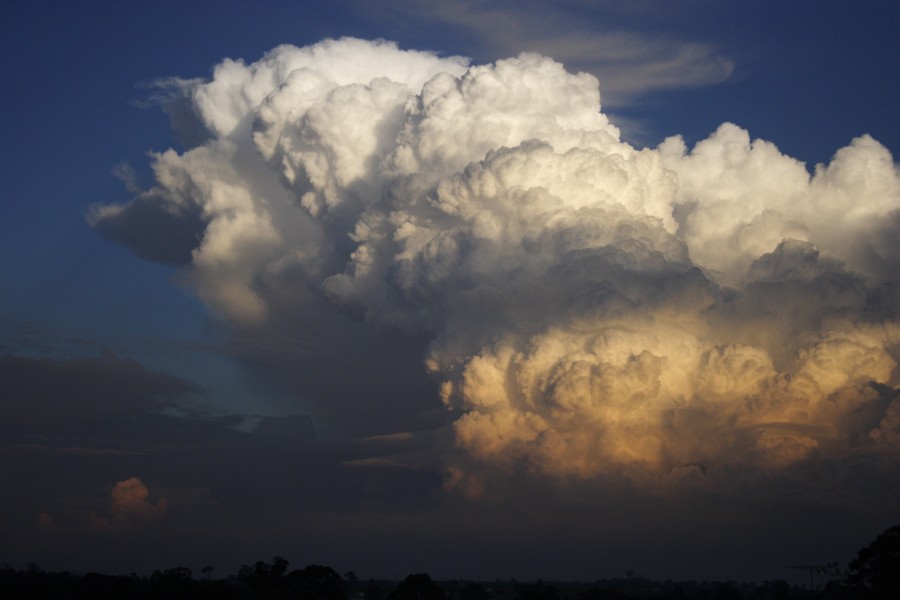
column 592, row 308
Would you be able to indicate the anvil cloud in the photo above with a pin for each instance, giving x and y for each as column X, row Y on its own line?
column 589, row 309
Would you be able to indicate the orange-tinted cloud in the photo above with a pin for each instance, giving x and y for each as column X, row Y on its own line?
column 130, row 508
column 46, row 521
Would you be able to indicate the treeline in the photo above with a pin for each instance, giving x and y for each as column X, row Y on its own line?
column 873, row 575
column 272, row 581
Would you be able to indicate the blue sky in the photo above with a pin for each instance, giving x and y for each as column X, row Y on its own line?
column 808, row 77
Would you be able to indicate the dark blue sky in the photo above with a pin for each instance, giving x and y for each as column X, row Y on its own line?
column 85, row 324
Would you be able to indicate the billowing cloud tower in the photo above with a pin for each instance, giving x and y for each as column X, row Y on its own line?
column 590, row 309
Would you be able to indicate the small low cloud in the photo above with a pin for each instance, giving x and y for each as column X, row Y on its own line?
column 130, row 508
column 45, row 521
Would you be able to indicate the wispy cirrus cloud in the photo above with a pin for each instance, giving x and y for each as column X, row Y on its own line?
column 628, row 63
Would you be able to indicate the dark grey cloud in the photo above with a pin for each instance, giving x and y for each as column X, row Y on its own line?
column 47, row 397
column 138, row 227
column 77, row 430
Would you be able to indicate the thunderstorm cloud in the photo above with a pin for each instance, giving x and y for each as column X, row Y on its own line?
column 589, row 309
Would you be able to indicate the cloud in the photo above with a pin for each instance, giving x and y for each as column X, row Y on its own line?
column 45, row 521
column 47, row 398
column 100, row 415
column 628, row 64
column 94, row 415
column 130, row 508
column 590, row 310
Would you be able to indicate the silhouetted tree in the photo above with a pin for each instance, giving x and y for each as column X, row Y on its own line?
column 418, row 586
column 473, row 591
column 279, row 566
column 726, row 591
column 602, row 593
column 537, row 591
column 173, row 583
column 174, row 574
column 773, row 590
column 876, row 569
column 265, row 580
column 316, row 582
column 677, row 593
column 374, row 591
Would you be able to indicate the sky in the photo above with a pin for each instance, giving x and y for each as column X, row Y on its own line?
column 479, row 289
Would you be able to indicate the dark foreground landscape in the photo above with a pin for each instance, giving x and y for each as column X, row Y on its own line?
column 874, row 574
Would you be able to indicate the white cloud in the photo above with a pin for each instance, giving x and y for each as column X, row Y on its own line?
column 592, row 309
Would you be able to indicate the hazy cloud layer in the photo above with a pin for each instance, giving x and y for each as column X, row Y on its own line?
column 591, row 310
column 59, row 399
column 111, row 467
